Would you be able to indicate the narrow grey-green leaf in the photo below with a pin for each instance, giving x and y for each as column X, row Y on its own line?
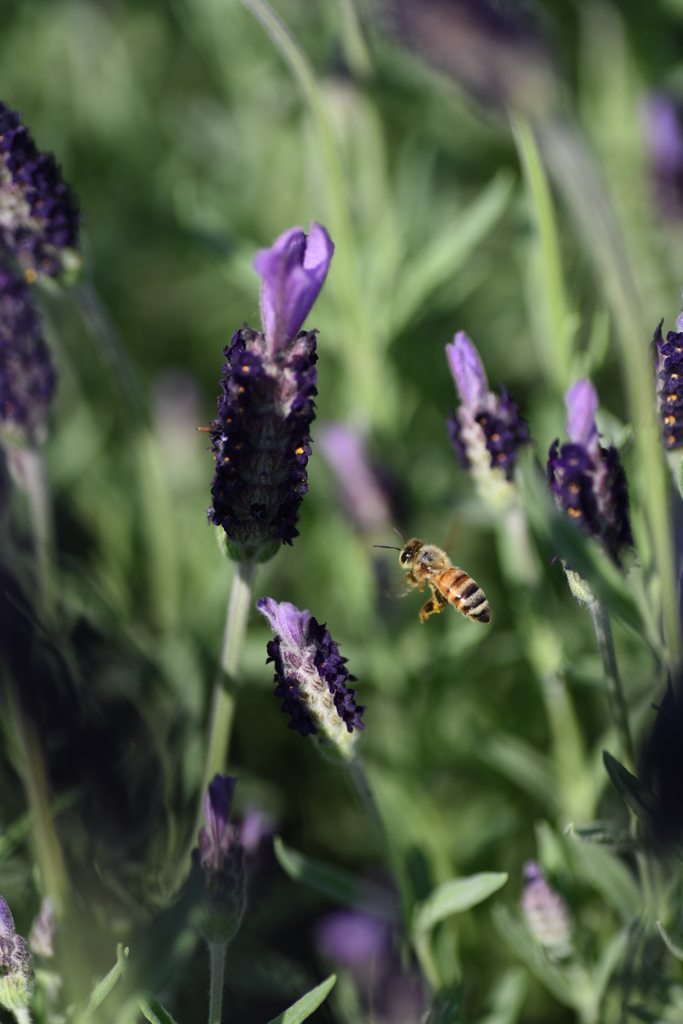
column 104, row 987
column 456, row 896
column 305, row 1006
column 674, row 945
column 336, row 884
column 155, row 1012
column 638, row 797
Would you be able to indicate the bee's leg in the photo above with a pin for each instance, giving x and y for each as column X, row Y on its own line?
column 430, row 607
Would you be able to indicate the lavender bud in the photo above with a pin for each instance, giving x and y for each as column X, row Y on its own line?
column 261, row 436
column 669, row 370
column 589, row 481
column 664, row 140
column 546, row 913
column 27, row 378
column 221, row 857
column 312, row 678
column 354, row 939
column 487, row 430
column 39, row 218
column 16, row 969
column 344, row 451
column 42, row 934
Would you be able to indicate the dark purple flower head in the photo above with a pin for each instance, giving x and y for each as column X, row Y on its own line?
column 39, row 218
column 221, row 856
column 16, row 966
column 669, row 371
column 344, row 450
column 261, row 437
column 546, row 913
column 589, row 481
column 312, row 677
column 27, row 378
column 487, row 430
column 292, row 273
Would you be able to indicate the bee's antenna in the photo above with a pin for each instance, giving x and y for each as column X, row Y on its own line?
column 396, row 530
column 389, row 547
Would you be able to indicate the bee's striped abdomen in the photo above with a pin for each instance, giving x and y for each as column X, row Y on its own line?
column 462, row 592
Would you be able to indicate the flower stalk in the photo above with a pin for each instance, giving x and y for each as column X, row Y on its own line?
column 217, row 958
column 615, row 692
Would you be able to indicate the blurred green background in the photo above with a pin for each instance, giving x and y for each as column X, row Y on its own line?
column 189, row 147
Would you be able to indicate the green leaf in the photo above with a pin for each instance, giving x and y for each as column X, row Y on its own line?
column 447, row 1006
column 638, row 798
column 609, row 876
column 611, row 955
column 674, row 945
column 305, row 1006
column 104, row 987
column 604, row 833
column 437, row 262
column 507, row 997
column 336, row 884
column 155, row 1012
column 519, row 762
column 456, row 896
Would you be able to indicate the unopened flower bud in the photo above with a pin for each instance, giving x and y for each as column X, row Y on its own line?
column 16, row 970
column 487, row 430
column 312, row 678
column 39, row 218
column 546, row 913
column 261, row 436
column 221, row 857
column 42, row 935
column 589, row 481
column 344, row 451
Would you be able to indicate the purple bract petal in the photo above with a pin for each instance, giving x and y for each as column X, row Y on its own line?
column 344, row 451
column 6, row 920
column 582, row 402
column 468, row 370
column 285, row 619
column 293, row 271
column 217, row 803
column 351, row 937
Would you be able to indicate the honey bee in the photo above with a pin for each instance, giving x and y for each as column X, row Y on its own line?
column 427, row 563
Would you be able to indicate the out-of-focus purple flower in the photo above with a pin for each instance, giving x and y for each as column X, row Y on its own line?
column 354, row 939
column 256, row 826
column 16, row 966
column 499, row 57
column 27, row 378
column 312, row 677
column 292, row 273
column 221, row 857
column 261, row 437
column 546, row 913
column 669, row 371
column 589, row 481
column 39, row 218
column 344, row 451
column 42, row 935
column 661, row 122
column 487, row 431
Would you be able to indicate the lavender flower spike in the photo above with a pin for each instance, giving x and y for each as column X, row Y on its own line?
column 221, row 857
column 16, row 965
column 27, row 378
column 589, row 481
column 344, row 451
column 261, row 436
column 487, row 430
column 293, row 271
column 669, row 370
column 39, row 218
column 312, row 677
column 546, row 913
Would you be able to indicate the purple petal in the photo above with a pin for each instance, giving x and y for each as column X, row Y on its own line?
column 351, row 937
column 292, row 273
column 663, row 133
column 582, row 403
column 217, row 803
column 6, row 920
column 344, row 451
column 256, row 825
column 467, row 369
column 532, row 871
column 285, row 620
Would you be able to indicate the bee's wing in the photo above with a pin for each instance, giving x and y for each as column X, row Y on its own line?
column 401, row 589
column 452, row 538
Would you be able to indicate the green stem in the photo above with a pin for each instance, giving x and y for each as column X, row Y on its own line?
column 217, row 955
column 615, row 692
column 359, row 779
column 22, row 1015
column 28, row 470
column 223, row 701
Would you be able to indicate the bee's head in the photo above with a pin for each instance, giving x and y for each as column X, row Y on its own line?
column 410, row 551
